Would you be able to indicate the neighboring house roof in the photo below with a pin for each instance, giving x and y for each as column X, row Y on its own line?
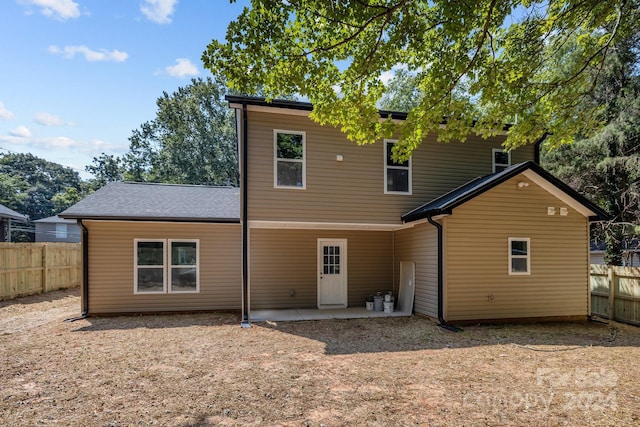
column 445, row 204
column 159, row 202
column 55, row 220
column 5, row 212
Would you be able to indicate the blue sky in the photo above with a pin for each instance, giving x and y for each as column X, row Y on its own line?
column 77, row 76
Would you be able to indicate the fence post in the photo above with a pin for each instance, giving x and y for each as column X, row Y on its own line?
column 611, row 278
column 45, row 270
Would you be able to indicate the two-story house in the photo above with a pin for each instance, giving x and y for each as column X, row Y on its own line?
column 477, row 233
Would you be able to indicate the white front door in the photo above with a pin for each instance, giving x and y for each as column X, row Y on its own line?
column 332, row 273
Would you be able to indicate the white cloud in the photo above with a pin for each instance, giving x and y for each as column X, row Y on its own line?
column 159, row 11
column 183, row 68
column 90, row 55
column 20, row 132
column 57, row 9
column 93, row 147
column 48, row 119
column 4, row 113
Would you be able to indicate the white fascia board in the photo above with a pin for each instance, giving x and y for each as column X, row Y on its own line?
column 555, row 191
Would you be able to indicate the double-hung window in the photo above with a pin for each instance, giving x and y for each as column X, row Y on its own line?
column 289, row 168
column 500, row 159
column 397, row 175
column 519, row 255
column 166, row 265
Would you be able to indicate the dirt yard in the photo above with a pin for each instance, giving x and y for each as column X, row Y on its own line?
column 204, row 370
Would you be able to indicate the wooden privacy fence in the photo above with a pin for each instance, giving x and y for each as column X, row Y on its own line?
column 32, row 268
column 616, row 290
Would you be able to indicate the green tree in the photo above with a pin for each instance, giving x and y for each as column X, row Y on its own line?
column 402, row 93
column 70, row 196
column 192, row 140
column 510, row 57
column 606, row 167
column 36, row 182
column 105, row 168
column 29, row 185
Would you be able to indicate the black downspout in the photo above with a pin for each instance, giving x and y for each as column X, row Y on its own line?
column 440, row 269
column 246, row 321
column 85, row 275
column 442, row 323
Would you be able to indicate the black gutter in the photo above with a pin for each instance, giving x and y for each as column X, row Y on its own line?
column 84, row 305
column 246, row 321
column 156, row 219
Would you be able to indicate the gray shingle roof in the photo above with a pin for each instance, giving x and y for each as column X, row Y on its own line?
column 55, row 220
column 5, row 212
column 172, row 202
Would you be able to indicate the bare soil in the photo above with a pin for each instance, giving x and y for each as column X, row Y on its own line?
column 204, row 370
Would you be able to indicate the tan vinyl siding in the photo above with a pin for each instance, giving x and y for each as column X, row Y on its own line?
column 353, row 190
column 111, row 269
column 286, row 260
column 477, row 256
column 419, row 245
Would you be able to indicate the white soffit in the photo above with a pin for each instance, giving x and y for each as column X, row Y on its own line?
column 286, row 225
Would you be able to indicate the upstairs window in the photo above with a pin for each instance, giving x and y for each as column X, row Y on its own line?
column 501, row 159
column 397, row 175
column 289, row 159
column 519, row 255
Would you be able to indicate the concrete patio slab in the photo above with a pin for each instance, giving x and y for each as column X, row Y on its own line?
column 317, row 314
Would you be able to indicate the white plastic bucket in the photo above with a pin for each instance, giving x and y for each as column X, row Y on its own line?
column 388, row 307
column 369, row 305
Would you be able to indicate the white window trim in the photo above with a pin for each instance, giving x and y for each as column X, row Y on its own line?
column 409, row 168
column 303, row 161
column 166, row 266
column 136, row 266
column 493, row 158
column 170, row 266
column 527, row 256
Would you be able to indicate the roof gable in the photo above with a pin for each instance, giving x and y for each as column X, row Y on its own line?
column 445, row 204
column 159, row 202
